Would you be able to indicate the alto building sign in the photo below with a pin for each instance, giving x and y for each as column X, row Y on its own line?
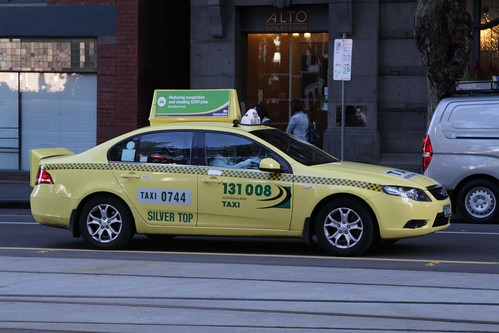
column 310, row 18
column 288, row 20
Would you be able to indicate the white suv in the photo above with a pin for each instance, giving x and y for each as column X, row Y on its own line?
column 461, row 151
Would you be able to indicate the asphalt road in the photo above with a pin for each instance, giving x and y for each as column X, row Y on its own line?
column 51, row 282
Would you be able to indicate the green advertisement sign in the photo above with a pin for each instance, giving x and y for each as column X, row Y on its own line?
column 206, row 103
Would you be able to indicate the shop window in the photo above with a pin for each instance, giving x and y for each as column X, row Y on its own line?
column 57, row 110
column 9, row 122
column 23, row 2
column 485, row 61
column 489, row 40
column 48, row 93
column 45, row 110
column 42, row 55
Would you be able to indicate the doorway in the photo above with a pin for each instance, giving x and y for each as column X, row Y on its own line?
column 287, row 66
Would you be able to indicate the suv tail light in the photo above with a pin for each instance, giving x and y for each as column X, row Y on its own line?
column 427, row 152
column 43, row 177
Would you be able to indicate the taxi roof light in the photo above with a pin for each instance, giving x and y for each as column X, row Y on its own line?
column 208, row 105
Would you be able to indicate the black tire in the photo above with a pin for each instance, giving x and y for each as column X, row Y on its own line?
column 344, row 227
column 477, row 201
column 106, row 223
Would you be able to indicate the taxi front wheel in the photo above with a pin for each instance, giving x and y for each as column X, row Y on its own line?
column 344, row 227
column 106, row 223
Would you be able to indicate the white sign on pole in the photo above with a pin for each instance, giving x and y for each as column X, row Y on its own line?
column 342, row 59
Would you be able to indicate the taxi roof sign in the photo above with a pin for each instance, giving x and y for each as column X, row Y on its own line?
column 217, row 105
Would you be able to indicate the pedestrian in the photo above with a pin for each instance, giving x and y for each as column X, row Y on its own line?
column 298, row 124
column 262, row 113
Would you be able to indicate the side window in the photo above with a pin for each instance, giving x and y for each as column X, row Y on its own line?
column 124, row 151
column 232, row 151
column 157, row 147
column 166, row 148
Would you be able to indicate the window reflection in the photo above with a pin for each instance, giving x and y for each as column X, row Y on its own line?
column 355, row 115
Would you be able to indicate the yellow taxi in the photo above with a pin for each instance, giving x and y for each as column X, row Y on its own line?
column 200, row 170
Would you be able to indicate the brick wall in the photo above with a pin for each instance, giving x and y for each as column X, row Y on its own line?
column 117, row 70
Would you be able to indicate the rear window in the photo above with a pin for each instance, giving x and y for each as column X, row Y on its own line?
column 172, row 147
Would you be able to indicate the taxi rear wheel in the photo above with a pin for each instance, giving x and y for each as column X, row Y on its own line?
column 344, row 227
column 106, row 223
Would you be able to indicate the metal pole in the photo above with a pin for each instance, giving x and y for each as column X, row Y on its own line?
column 342, row 154
column 290, row 89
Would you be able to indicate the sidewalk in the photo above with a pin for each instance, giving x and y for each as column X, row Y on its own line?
column 14, row 194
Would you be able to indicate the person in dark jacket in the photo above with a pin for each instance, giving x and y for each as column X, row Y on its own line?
column 262, row 113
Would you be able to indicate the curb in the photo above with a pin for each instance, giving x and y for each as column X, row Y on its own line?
column 15, row 204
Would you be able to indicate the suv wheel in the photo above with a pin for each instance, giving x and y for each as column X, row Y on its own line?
column 477, row 201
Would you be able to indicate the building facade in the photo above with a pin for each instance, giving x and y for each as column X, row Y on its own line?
column 83, row 71
column 76, row 73
column 274, row 51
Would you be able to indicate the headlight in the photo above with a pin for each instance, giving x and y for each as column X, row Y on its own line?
column 407, row 192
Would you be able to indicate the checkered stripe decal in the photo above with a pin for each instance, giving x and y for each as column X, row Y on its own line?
column 77, row 166
column 233, row 173
column 247, row 174
column 338, row 182
column 124, row 167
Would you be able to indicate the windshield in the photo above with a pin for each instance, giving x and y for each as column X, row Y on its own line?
column 300, row 151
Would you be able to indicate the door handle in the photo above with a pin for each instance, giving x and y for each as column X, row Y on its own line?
column 211, row 180
column 131, row 175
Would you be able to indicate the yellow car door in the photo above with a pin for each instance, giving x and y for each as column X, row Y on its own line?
column 234, row 193
column 155, row 171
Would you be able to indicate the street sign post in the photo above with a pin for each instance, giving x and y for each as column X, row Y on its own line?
column 342, row 59
column 342, row 71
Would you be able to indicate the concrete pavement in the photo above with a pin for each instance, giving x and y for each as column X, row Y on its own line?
column 47, row 292
column 51, row 294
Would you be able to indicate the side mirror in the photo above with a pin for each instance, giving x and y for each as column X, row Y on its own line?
column 270, row 165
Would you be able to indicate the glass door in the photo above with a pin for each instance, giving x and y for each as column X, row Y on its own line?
column 285, row 66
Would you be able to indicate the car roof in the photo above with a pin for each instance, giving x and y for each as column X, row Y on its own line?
column 473, row 97
column 206, row 126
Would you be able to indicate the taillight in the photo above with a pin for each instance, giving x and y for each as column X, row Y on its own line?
column 427, row 152
column 43, row 177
